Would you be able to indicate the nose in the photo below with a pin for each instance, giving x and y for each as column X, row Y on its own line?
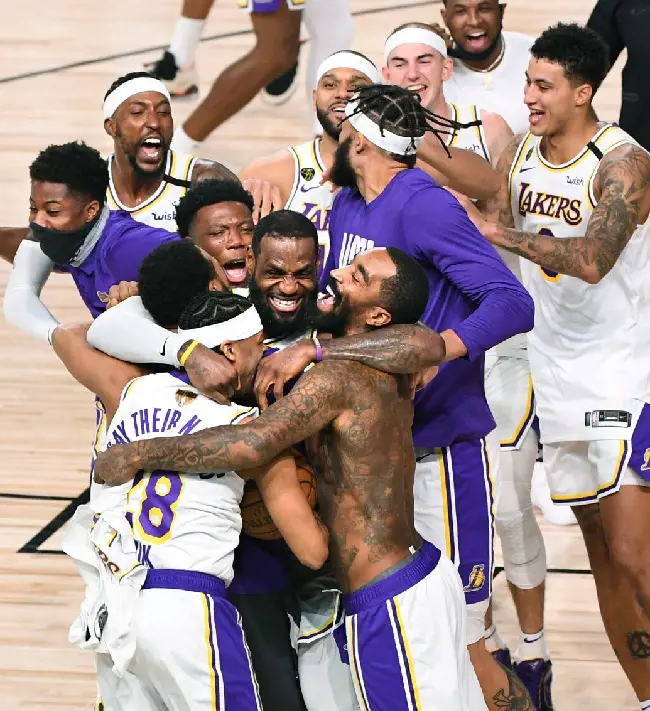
column 41, row 219
column 288, row 286
column 530, row 94
column 473, row 17
column 234, row 239
column 412, row 71
column 152, row 119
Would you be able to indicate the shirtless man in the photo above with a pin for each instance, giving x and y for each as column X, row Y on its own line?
column 357, row 422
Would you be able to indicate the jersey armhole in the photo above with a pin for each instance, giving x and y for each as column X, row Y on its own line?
column 128, row 388
column 243, row 414
column 296, row 175
column 516, row 164
column 480, row 130
column 592, row 178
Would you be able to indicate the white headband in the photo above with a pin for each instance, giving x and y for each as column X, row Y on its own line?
column 414, row 35
column 238, row 328
column 349, row 60
column 130, row 88
column 391, row 142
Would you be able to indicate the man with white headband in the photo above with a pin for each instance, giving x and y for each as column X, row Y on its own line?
column 476, row 302
column 186, row 529
column 415, row 58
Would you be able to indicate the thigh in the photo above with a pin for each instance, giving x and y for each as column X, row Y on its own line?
column 191, row 649
column 571, row 478
column 266, row 622
column 278, row 28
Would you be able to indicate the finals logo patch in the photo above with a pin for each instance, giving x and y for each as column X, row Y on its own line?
column 476, row 579
column 307, row 173
column 185, row 397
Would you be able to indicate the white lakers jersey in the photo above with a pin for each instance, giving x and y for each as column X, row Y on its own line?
column 160, row 209
column 587, row 351
column 308, row 196
column 179, row 521
column 473, row 137
column 500, row 90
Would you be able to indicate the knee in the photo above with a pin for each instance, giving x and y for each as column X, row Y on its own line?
column 524, row 553
column 629, row 555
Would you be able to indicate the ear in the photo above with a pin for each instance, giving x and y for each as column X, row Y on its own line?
column 313, row 99
column 377, row 317
column 385, row 74
column 447, row 68
column 92, row 210
column 584, row 94
column 228, row 351
column 443, row 14
column 110, row 127
column 250, row 260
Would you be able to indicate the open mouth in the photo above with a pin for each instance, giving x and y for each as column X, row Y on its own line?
column 418, row 89
column 151, row 149
column 535, row 116
column 236, row 271
column 338, row 110
column 284, row 304
column 330, row 299
column 477, row 41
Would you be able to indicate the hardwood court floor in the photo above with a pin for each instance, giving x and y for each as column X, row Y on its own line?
column 46, row 420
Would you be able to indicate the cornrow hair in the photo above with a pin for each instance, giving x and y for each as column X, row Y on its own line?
column 211, row 308
column 400, row 111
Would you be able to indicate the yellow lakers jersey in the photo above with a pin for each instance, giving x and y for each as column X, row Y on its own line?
column 587, row 354
column 160, row 209
column 308, row 196
column 473, row 137
column 180, row 521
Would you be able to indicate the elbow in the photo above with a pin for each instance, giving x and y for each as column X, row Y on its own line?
column 315, row 556
column 592, row 276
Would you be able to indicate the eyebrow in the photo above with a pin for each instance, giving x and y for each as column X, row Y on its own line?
column 420, row 56
column 364, row 273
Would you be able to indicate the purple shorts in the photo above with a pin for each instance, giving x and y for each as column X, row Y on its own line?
column 269, row 6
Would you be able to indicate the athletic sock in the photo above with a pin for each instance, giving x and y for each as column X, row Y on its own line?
column 493, row 640
column 185, row 40
column 532, row 646
column 183, row 143
column 645, row 705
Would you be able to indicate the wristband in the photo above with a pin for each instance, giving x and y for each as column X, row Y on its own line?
column 183, row 359
column 319, row 350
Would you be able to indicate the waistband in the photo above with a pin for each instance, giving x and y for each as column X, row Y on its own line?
column 422, row 563
column 190, row 580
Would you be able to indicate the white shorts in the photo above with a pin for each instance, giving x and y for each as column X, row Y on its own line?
column 453, row 497
column 191, row 654
column 509, row 392
column 584, row 472
column 406, row 639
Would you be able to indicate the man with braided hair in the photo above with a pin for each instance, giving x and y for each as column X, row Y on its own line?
column 475, row 302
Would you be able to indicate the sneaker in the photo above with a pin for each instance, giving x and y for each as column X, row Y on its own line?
column 179, row 82
column 282, row 88
column 503, row 657
column 537, row 675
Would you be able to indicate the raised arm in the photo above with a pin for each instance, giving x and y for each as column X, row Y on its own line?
column 318, row 398
column 622, row 191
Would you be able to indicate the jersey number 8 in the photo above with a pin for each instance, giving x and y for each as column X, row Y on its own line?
column 162, row 492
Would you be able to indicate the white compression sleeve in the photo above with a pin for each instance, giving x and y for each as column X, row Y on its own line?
column 128, row 332
column 22, row 304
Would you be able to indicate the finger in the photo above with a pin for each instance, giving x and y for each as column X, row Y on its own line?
column 277, row 199
column 253, row 187
column 267, row 199
column 278, row 388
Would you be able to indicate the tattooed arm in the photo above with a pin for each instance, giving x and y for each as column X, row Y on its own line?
column 318, row 398
column 622, row 189
column 498, row 208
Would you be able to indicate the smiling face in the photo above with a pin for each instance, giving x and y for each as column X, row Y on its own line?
column 419, row 68
column 475, row 25
column 142, row 130
column 225, row 231
column 283, row 288
column 332, row 93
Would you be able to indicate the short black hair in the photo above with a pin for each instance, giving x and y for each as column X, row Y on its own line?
column 211, row 308
column 580, row 51
column 209, row 192
column 405, row 295
column 127, row 77
column 284, row 224
column 75, row 165
column 170, row 277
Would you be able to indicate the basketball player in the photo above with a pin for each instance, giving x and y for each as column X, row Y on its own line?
column 489, row 64
column 574, row 194
column 415, row 57
column 366, row 500
column 168, row 542
column 476, row 303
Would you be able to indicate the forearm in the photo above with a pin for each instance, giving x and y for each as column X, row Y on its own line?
column 578, row 257
column 395, row 349
column 10, row 239
column 466, row 172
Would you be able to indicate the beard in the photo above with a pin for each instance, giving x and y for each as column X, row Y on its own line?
column 459, row 53
column 342, row 173
column 280, row 326
column 336, row 320
column 331, row 129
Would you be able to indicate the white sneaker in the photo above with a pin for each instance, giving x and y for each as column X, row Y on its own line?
column 180, row 81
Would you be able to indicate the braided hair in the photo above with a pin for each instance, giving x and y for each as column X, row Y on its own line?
column 399, row 111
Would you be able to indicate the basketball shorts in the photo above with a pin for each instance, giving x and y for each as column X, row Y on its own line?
column 191, row 653
column 270, row 6
column 406, row 639
column 453, row 502
column 323, row 667
column 509, row 392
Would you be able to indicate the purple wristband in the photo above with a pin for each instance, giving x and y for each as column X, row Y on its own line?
column 319, row 350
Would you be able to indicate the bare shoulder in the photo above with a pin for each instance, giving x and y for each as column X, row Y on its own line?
column 495, row 122
column 277, row 168
column 511, row 148
column 204, row 169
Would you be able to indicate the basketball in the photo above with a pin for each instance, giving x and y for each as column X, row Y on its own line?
column 256, row 520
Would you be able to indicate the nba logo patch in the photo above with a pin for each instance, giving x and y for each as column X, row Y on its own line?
column 307, row 173
column 102, row 296
column 476, row 579
column 185, row 397
column 645, row 467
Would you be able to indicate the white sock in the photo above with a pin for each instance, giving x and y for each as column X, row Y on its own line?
column 185, row 40
column 493, row 639
column 532, row 646
column 183, row 143
column 645, row 705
